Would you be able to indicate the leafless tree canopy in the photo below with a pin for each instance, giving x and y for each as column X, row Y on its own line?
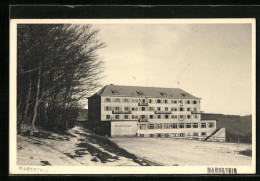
column 57, row 66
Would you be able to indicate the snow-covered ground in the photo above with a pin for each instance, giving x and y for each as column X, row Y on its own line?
column 170, row 151
column 77, row 148
column 80, row 147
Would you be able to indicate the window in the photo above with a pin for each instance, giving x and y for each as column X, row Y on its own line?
column 158, row 101
column 163, row 93
column 188, row 102
column 114, row 91
column 107, row 100
column 196, row 116
column 117, row 108
column 195, row 125
column 174, row 134
column 165, row 101
column 143, row 108
column 188, row 109
column 108, row 108
column 142, row 101
column 182, row 134
column 150, row 101
column 143, row 117
column 195, row 134
column 151, row 135
column 188, row 125
column 139, row 92
column 166, row 125
column 159, row 116
column 181, row 116
column 117, row 100
column 174, row 125
column 166, row 109
column 126, row 116
column 158, row 126
column 134, row 116
column 150, row 126
column 173, row 101
column 188, row 116
column 127, row 108
column 194, row 102
column 108, row 116
column 174, row 116
column 150, row 108
column 166, row 116
column 117, row 116
column 151, row 116
column 181, row 101
column 203, row 133
column 203, row 125
column 181, row 109
column 158, row 109
column 211, row 125
column 125, row 100
column 173, row 109
column 181, row 125
column 143, row 126
column 183, row 94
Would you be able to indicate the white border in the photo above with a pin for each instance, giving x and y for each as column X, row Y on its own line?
column 14, row 168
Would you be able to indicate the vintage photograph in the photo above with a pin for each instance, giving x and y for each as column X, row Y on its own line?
column 132, row 96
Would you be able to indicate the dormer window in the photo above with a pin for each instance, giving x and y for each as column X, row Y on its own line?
column 163, row 93
column 114, row 91
column 139, row 92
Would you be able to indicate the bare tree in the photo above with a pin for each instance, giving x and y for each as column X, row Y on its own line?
column 57, row 67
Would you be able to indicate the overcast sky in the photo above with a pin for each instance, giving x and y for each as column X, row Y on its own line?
column 211, row 61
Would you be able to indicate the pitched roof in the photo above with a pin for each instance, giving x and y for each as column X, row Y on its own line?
column 136, row 91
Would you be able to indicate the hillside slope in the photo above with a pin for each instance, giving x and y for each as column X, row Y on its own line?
column 238, row 128
column 76, row 147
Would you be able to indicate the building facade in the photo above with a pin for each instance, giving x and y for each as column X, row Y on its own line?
column 150, row 112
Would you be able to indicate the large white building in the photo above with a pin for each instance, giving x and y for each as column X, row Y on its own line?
column 150, row 112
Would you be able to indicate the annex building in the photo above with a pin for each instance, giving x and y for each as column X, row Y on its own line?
column 118, row 110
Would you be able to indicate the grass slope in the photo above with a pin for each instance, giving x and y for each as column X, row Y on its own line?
column 238, row 128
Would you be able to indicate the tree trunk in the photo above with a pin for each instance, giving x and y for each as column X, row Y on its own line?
column 19, row 126
column 36, row 101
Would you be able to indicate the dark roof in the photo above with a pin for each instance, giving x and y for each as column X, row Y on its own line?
column 135, row 91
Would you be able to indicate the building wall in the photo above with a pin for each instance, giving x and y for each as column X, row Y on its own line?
column 174, row 128
column 137, row 116
column 94, row 117
column 94, row 109
column 123, row 128
column 139, row 111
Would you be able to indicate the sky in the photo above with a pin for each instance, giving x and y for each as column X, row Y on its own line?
column 210, row 61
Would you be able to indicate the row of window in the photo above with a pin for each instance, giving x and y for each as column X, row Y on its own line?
column 159, row 116
column 165, row 101
column 194, row 134
column 175, row 125
column 118, row 108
